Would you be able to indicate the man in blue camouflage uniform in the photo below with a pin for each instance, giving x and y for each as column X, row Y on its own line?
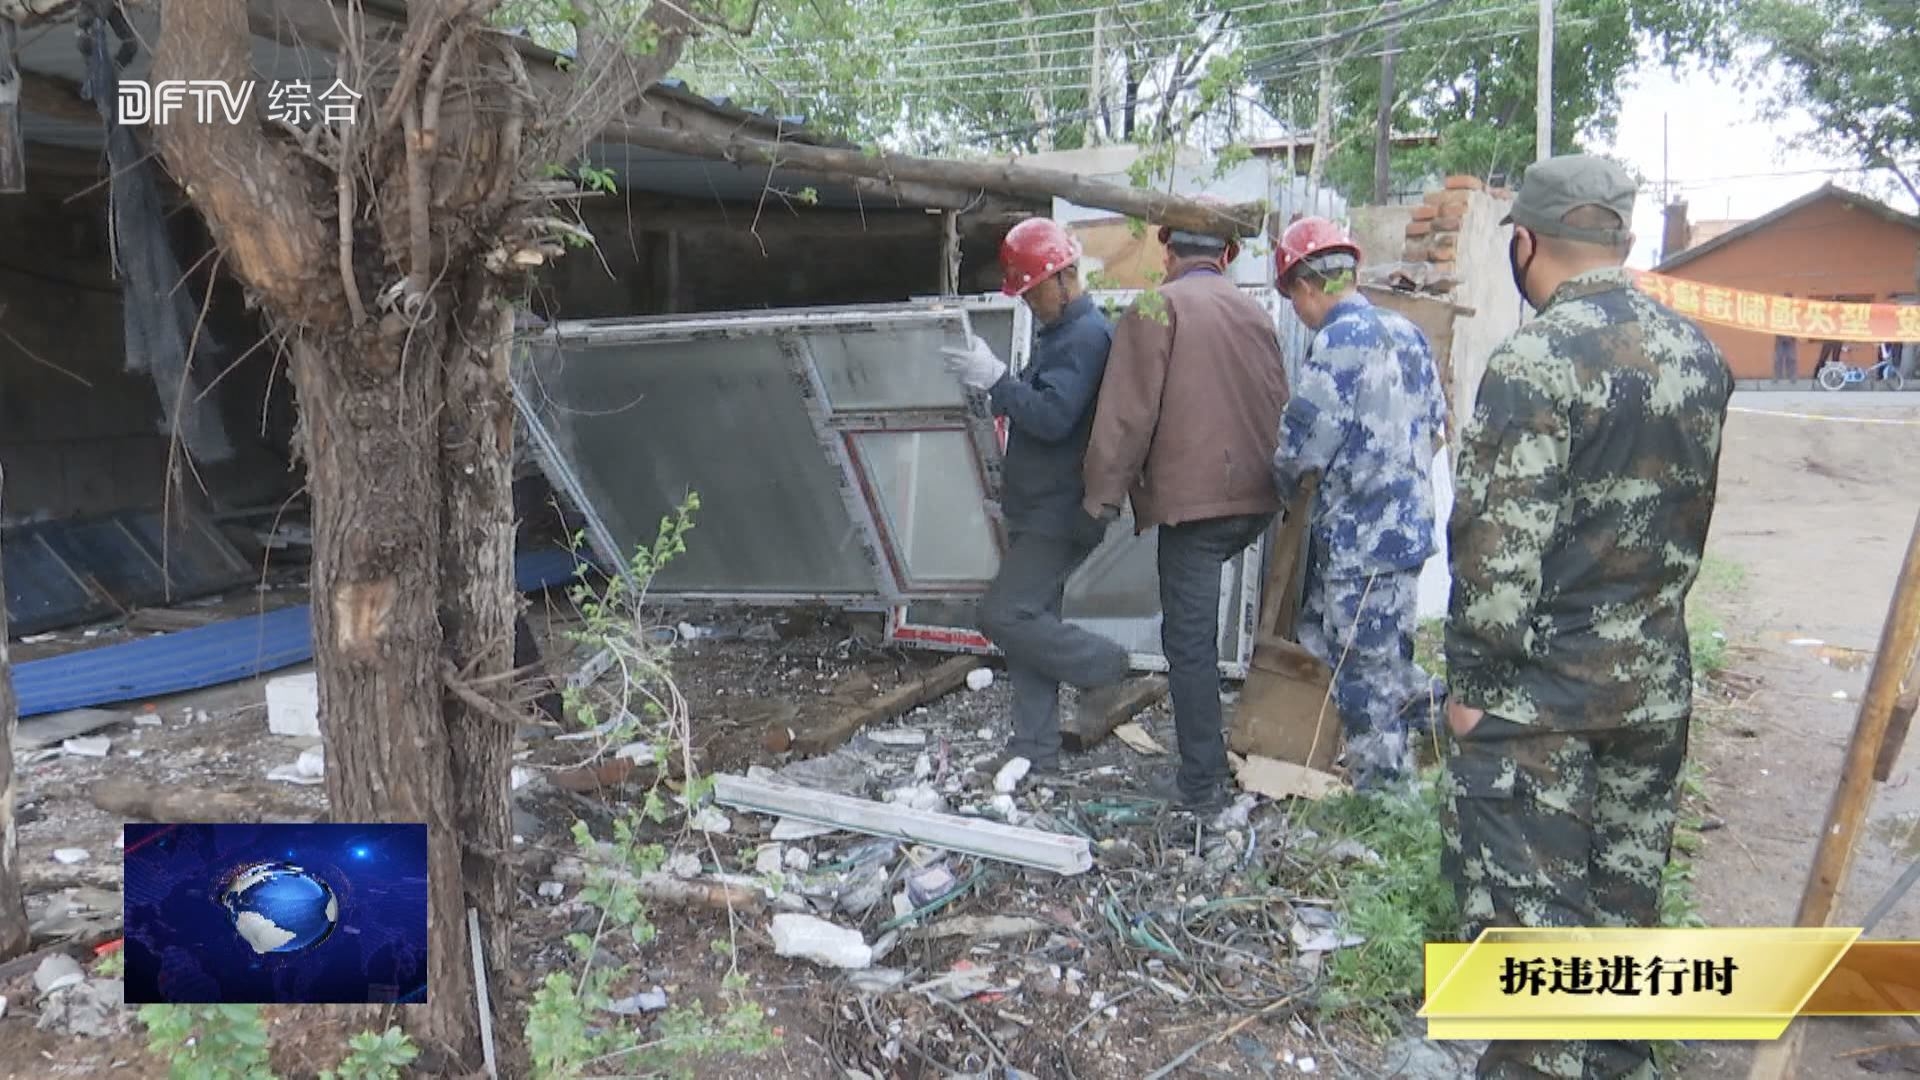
column 1584, row 490
column 1367, row 415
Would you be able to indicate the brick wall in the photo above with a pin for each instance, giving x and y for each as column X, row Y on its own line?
column 1457, row 232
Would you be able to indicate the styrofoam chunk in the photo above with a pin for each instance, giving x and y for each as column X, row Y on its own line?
column 979, row 678
column 806, row 937
column 293, row 705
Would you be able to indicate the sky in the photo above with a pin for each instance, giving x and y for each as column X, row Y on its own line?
column 1714, row 131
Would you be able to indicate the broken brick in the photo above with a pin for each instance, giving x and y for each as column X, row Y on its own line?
column 1465, row 183
column 1425, row 212
column 1419, row 228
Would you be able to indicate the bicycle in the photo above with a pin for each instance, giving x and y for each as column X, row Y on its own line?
column 1839, row 375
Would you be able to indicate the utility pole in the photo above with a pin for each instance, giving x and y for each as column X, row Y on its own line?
column 1383, row 121
column 1095, row 107
column 1543, row 107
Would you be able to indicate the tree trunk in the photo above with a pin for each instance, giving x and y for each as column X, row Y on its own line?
column 369, row 431
column 1158, row 207
column 14, row 939
column 478, row 601
column 1322, row 129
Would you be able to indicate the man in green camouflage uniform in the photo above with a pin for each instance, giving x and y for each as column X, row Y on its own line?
column 1583, row 493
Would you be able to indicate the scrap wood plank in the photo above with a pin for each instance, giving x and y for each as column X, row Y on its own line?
column 939, row 682
column 1083, row 732
column 1064, row 855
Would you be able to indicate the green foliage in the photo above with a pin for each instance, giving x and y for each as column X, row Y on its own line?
column 1706, row 635
column 375, row 1056
column 111, row 966
column 1853, row 64
column 569, row 1033
column 208, row 1042
column 1469, row 77
column 1398, row 904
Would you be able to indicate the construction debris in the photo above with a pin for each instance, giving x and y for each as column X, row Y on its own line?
column 1026, row 847
column 806, row 937
column 1010, row 775
column 985, row 927
column 57, row 972
column 666, row 888
column 93, row 746
column 1083, row 731
column 979, row 678
column 1136, row 737
column 939, row 682
column 70, row 856
column 309, row 769
column 54, row 729
column 293, row 705
column 1282, row 779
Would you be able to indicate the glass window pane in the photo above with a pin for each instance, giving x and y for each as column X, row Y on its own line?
column 641, row 424
column 892, row 368
column 928, row 488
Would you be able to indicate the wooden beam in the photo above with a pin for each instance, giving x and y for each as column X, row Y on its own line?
column 1007, row 179
column 969, row 836
column 652, row 213
column 1083, row 732
column 937, row 683
column 1833, row 858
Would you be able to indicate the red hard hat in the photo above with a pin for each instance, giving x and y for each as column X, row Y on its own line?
column 1034, row 250
column 1306, row 238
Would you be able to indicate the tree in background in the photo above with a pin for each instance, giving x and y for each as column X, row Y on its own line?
column 1855, row 66
column 1468, row 75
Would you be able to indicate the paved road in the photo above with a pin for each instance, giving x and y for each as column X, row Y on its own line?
column 1849, row 400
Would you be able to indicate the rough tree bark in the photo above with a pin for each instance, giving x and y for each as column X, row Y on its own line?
column 384, row 253
column 14, row 938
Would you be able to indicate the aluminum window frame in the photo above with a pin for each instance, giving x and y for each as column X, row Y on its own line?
column 835, row 429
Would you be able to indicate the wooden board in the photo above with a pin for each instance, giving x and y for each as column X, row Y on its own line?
column 1285, row 710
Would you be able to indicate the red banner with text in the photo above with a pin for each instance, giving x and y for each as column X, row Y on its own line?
column 1816, row 320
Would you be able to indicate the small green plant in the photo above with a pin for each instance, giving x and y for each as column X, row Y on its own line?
column 1398, row 904
column 111, row 966
column 1430, row 646
column 375, row 1056
column 208, row 1042
column 1718, row 580
column 569, row 1032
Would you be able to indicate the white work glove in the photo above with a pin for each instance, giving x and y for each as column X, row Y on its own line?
column 976, row 365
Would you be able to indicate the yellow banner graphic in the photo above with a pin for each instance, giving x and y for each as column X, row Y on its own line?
column 1785, row 316
column 1635, row 984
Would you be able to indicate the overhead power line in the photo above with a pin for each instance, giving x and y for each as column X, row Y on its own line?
column 1257, row 73
column 940, row 71
column 934, row 87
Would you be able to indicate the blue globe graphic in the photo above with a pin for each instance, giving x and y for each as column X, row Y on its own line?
column 278, row 907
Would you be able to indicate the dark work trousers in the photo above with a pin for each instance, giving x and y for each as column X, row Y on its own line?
column 1191, row 556
column 1021, row 614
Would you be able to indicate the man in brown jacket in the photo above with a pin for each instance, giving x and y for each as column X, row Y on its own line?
column 1187, row 422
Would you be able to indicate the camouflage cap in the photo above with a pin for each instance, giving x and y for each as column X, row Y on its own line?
column 1551, row 189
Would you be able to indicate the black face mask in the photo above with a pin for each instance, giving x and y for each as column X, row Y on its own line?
column 1520, row 272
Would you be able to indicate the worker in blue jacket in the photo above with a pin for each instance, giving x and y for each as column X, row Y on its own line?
column 1050, row 414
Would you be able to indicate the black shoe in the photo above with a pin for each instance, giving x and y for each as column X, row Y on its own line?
column 1165, row 786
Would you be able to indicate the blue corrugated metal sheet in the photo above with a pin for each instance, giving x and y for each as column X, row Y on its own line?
column 206, row 656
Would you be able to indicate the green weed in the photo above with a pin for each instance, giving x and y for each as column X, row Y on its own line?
column 1398, row 904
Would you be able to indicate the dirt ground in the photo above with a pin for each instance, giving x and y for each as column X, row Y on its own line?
column 1815, row 517
column 1808, row 514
